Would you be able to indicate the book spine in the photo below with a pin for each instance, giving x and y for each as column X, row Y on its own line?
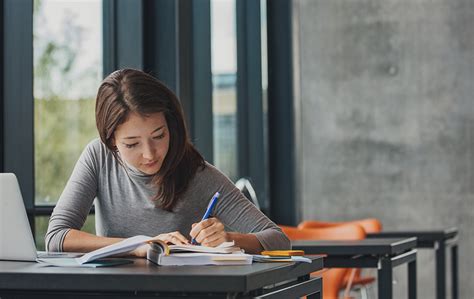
column 154, row 256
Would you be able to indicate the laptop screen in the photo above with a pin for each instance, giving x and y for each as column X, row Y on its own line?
column 16, row 239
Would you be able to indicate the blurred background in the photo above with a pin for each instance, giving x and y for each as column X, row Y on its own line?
column 334, row 110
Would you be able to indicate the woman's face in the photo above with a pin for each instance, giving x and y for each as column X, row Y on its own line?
column 143, row 142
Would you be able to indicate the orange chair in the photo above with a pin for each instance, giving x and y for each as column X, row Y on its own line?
column 370, row 225
column 333, row 279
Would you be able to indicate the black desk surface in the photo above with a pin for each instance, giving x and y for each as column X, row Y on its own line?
column 367, row 246
column 145, row 276
column 421, row 235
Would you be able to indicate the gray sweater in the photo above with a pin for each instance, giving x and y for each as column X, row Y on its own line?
column 123, row 205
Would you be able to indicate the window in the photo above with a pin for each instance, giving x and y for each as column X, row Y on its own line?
column 224, row 94
column 42, row 139
column 239, row 91
column 67, row 47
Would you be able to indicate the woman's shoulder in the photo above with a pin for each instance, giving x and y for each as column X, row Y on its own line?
column 210, row 170
column 96, row 152
column 94, row 144
column 210, row 175
column 205, row 182
column 95, row 147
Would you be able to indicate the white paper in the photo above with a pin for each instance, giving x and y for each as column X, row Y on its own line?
column 117, row 248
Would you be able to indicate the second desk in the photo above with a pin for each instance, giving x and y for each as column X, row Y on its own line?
column 382, row 254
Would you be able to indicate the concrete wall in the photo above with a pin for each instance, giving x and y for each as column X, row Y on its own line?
column 386, row 119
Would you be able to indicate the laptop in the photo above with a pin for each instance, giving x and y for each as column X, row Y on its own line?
column 16, row 239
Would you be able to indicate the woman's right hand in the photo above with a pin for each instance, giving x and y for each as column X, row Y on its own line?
column 170, row 238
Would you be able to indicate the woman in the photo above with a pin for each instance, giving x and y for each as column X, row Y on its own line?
column 148, row 179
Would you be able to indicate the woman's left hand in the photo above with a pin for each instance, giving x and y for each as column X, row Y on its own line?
column 209, row 232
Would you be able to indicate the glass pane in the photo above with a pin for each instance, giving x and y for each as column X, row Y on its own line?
column 67, row 72
column 41, row 226
column 224, row 74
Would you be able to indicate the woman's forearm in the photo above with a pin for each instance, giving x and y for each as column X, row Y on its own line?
column 248, row 242
column 79, row 241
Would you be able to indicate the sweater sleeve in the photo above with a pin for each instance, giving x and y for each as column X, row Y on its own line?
column 238, row 214
column 76, row 199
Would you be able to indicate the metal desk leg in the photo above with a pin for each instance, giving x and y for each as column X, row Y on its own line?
column 454, row 270
column 315, row 296
column 312, row 288
column 440, row 270
column 384, row 275
column 412, row 280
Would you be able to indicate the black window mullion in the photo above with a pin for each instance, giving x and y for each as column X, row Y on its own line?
column 18, row 105
column 283, row 204
column 160, row 38
column 2, row 26
column 47, row 210
column 202, row 78
column 195, row 75
column 251, row 155
column 122, row 34
column 109, row 28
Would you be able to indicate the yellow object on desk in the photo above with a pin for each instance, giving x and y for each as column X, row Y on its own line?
column 283, row 252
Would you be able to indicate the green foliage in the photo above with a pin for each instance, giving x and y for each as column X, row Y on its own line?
column 62, row 129
column 64, row 122
column 41, row 225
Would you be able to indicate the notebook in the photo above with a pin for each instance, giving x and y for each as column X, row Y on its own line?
column 16, row 239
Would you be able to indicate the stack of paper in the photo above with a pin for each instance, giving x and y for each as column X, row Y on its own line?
column 270, row 259
column 192, row 258
column 179, row 255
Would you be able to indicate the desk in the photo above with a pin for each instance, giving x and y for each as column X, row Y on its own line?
column 439, row 240
column 145, row 279
column 383, row 254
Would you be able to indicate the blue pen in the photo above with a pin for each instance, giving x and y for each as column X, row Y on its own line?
column 209, row 209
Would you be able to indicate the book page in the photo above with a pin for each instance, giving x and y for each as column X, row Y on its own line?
column 117, row 248
column 132, row 243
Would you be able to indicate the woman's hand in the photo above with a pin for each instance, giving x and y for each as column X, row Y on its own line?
column 173, row 238
column 209, row 232
column 170, row 238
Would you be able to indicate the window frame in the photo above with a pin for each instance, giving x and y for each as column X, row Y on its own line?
column 123, row 47
column 185, row 65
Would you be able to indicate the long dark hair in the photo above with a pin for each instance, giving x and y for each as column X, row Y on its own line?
column 128, row 90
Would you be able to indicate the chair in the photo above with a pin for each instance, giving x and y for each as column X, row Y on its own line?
column 370, row 225
column 333, row 279
column 245, row 186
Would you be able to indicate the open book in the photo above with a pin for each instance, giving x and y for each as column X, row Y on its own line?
column 161, row 249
